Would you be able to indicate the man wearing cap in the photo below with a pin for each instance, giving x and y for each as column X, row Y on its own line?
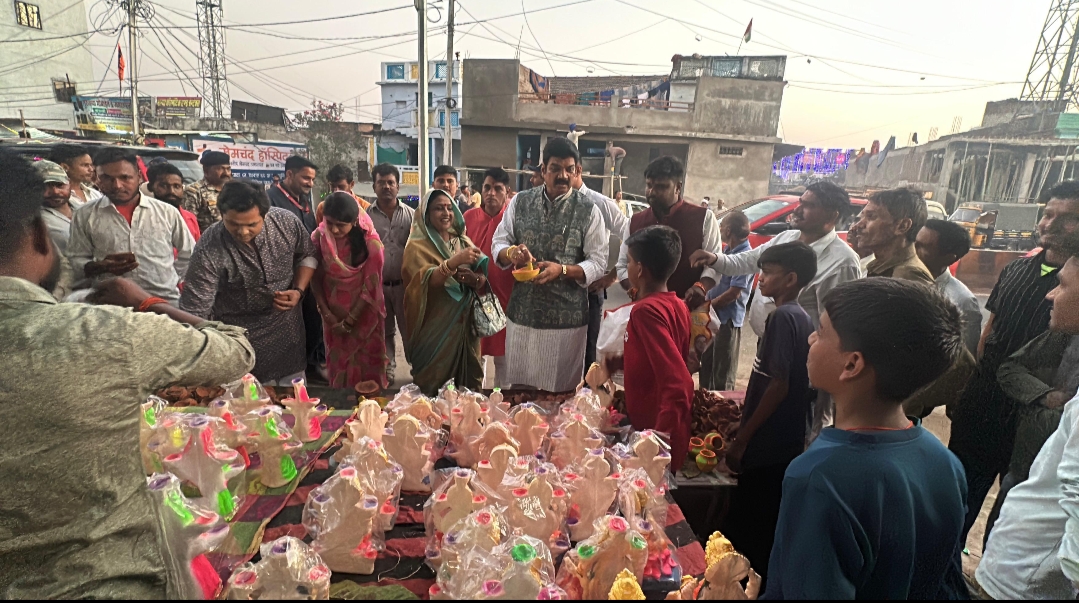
column 200, row 198
column 59, row 204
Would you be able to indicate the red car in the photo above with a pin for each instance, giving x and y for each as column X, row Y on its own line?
column 770, row 216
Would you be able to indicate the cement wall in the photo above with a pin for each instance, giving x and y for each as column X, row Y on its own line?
column 488, row 147
column 736, row 106
column 623, row 119
column 733, row 179
column 26, row 77
column 490, row 92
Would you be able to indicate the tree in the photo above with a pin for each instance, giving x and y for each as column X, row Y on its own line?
column 331, row 141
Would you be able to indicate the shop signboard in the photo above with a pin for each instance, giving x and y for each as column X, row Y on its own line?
column 178, row 106
column 255, row 161
column 108, row 114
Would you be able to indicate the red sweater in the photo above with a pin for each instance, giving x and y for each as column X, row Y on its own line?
column 659, row 388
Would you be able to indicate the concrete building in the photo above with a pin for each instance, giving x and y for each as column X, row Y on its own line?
column 720, row 115
column 400, row 104
column 1015, row 156
column 48, row 65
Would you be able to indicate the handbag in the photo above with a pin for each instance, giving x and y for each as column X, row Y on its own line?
column 487, row 315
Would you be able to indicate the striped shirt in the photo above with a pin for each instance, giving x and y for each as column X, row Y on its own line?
column 393, row 230
column 1019, row 307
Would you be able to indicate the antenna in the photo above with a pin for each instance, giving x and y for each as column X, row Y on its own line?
column 212, row 58
column 1052, row 75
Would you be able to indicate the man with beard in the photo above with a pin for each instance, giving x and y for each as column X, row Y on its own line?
column 561, row 232
column 166, row 183
column 983, row 419
column 86, row 524
column 696, row 226
column 480, row 224
column 59, row 205
column 127, row 233
column 294, row 192
column 393, row 223
column 813, row 223
column 201, row 197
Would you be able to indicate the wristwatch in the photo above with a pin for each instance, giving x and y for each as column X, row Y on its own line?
column 564, row 270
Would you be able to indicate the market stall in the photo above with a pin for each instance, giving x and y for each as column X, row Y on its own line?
column 421, row 497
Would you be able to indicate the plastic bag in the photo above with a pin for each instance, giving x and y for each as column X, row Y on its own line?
column 410, row 444
column 592, row 487
column 188, row 531
column 246, row 395
column 347, row 518
column 482, row 529
column 530, row 428
column 702, row 324
column 369, row 422
column 537, row 506
column 205, row 461
column 649, row 450
column 411, row 401
column 455, row 494
column 289, row 569
column 573, row 439
column 521, row 568
column 378, row 475
column 275, row 444
column 151, row 409
column 307, row 410
column 612, row 333
column 589, row 569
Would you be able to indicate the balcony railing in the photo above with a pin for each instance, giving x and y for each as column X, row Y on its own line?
column 593, row 99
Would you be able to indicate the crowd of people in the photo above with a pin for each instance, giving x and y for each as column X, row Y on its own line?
column 841, row 492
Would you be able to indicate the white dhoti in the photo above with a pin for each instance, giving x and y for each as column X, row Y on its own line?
column 546, row 359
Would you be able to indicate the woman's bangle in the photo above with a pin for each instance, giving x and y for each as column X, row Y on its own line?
column 149, row 302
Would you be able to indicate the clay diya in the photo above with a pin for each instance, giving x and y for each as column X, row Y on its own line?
column 695, row 446
column 715, row 442
column 527, row 273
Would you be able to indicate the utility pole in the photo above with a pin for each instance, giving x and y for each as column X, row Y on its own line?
column 422, row 115
column 132, row 41
column 447, row 136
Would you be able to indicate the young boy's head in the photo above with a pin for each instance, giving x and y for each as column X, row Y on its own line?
column 786, row 269
column 654, row 253
column 884, row 338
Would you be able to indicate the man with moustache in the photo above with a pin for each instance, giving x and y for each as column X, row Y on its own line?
column 127, row 233
column 60, row 204
column 819, row 208
column 86, row 526
column 983, row 418
column 201, row 197
column 480, row 224
column 166, row 183
column 393, row 223
column 78, row 163
column 561, row 232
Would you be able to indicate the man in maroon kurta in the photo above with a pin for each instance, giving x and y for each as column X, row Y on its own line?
column 696, row 226
column 659, row 388
column 480, row 225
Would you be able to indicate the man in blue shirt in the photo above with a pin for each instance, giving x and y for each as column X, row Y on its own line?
column 874, row 508
column 719, row 364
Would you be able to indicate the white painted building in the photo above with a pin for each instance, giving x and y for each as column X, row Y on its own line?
column 48, row 64
column 400, row 112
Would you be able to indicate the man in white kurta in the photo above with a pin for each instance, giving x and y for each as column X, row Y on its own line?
column 562, row 232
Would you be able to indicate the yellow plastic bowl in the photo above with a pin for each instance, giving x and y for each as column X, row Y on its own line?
column 524, row 275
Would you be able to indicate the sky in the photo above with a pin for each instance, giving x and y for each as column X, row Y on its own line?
column 857, row 71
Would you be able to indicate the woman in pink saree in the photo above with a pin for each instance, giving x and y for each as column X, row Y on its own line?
column 348, row 288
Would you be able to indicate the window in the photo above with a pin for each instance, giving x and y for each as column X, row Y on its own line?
column 63, row 90
column 455, row 119
column 414, row 70
column 731, row 151
column 395, row 72
column 440, row 71
column 27, row 15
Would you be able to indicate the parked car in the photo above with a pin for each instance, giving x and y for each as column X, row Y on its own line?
column 936, row 211
column 186, row 161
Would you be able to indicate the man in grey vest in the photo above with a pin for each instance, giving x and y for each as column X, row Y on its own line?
column 562, row 232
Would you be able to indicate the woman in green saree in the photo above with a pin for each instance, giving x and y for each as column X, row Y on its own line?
column 442, row 269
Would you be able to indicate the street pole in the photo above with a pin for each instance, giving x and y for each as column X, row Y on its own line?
column 447, row 135
column 422, row 116
column 131, row 26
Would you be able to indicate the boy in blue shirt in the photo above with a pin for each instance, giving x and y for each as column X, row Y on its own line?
column 774, row 419
column 874, row 508
column 719, row 364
